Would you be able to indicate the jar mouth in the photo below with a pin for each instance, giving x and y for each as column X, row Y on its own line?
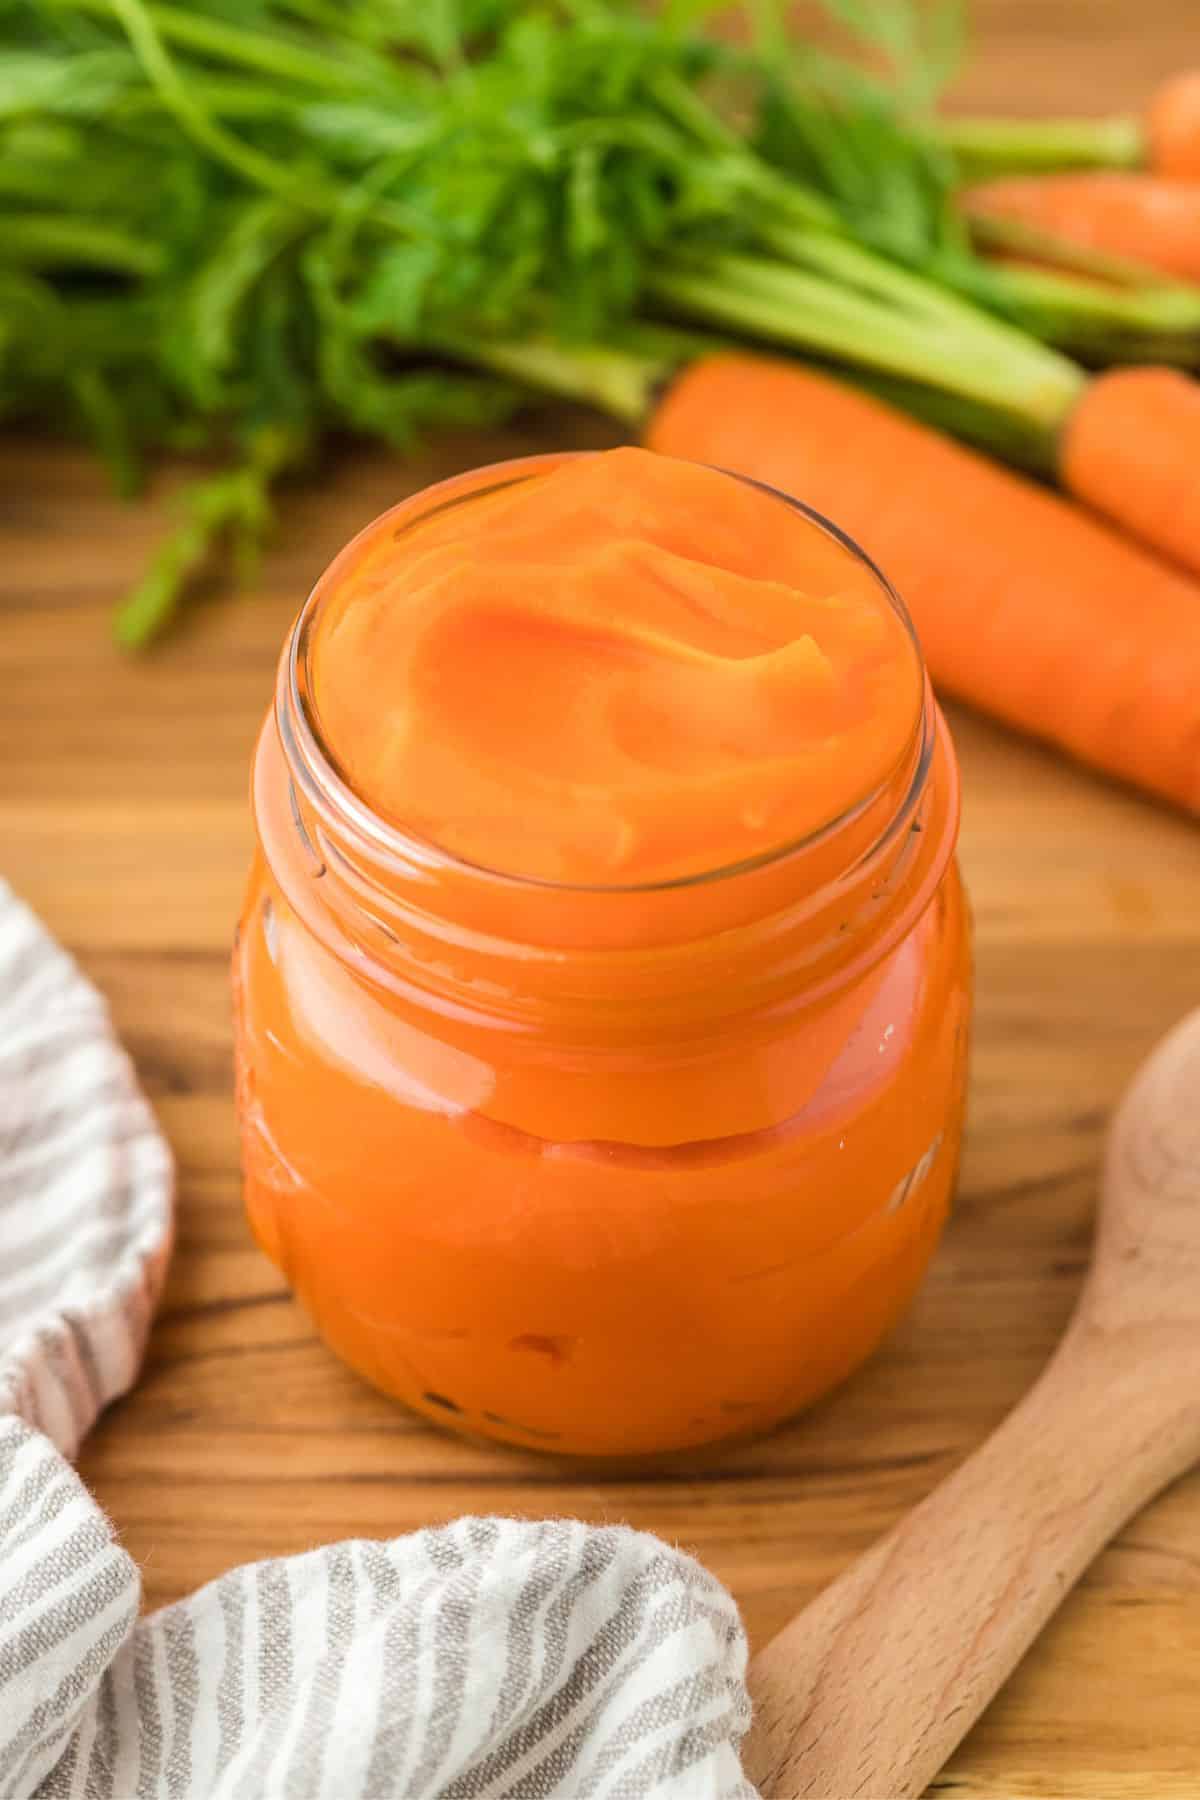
column 333, row 795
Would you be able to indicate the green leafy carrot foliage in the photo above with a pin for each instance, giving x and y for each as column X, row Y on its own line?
column 237, row 226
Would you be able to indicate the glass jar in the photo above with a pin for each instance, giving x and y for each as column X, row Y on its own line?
column 604, row 1171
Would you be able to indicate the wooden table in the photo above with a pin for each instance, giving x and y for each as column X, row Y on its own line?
column 123, row 819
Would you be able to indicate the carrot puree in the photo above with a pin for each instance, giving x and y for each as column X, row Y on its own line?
column 603, row 983
column 631, row 670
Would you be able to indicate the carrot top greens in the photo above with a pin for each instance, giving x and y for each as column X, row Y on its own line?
column 233, row 228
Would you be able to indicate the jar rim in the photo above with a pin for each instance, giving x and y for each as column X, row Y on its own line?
column 334, row 796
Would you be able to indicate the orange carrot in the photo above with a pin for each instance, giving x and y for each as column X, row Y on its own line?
column 1173, row 127
column 1128, row 443
column 1025, row 606
column 1147, row 218
column 1153, row 486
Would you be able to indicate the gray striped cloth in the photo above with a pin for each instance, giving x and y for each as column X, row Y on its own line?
column 492, row 1657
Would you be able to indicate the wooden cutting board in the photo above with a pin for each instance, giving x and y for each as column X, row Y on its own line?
column 123, row 819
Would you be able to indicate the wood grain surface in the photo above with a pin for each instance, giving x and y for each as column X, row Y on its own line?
column 123, row 820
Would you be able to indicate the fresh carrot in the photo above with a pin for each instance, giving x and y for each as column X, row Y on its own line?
column 1026, row 607
column 1165, row 139
column 1173, row 127
column 1147, row 218
column 1158, row 497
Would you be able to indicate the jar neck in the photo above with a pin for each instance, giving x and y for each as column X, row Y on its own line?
column 581, row 965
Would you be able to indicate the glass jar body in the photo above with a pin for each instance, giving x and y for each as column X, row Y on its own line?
column 614, row 1245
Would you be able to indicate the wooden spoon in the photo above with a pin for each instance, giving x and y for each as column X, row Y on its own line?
column 868, row 1691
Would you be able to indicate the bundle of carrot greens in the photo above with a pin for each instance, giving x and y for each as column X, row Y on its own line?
column 237, row 228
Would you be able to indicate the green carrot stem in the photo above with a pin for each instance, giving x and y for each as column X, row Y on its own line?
column 219, row 99
column 147, row 608
column 1127, row 304
column 1075, row 315
column 795, row 202
column 684, row 105
column 627, row 388
column 235, row 503
column 997, row 146
column 982, row 360
column 221, row 38
column 60, row 240
column 137, row 21
column 1071, row 303
column 1087, row 301
column 851, row 265
column 993, row 232
column 617, row 381
column 108, row 428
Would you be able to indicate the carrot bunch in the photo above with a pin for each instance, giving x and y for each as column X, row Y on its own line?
column 1115, row 199
column 247, row 234
column 1124, row 189
column 1028, row 606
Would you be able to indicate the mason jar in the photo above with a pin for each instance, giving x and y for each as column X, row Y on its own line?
column 606, row 1171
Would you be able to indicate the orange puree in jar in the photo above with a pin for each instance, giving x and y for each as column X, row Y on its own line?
column 631, row 670
column 603, row 982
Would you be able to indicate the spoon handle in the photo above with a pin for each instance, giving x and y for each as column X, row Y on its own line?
column 868, row 1691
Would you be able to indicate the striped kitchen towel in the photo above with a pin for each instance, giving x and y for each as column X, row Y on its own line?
column 491, row 1657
